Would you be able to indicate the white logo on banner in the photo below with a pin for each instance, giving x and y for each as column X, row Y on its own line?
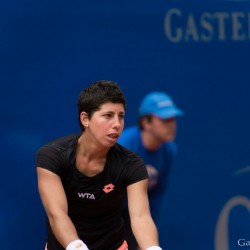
column 207, row 27
column 243, row 242
column 221, row 233
column 222, row 226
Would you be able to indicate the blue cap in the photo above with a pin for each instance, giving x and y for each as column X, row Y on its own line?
column 159, row 104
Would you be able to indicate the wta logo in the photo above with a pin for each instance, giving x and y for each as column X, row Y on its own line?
column 86, row 196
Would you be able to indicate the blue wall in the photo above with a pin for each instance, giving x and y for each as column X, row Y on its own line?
column 196, row 51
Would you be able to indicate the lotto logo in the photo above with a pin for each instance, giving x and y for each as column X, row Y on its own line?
column 108, row 188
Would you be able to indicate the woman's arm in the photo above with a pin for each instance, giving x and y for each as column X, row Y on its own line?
column 55, row 203
column 142, row 224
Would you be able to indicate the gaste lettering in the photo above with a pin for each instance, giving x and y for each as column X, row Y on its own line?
column 208, row 26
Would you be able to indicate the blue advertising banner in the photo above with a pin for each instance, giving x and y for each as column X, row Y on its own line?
column 198, row 52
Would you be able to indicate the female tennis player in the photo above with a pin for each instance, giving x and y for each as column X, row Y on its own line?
column 84, row 179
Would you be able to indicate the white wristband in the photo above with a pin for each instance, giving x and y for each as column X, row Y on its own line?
column 77, row 245
column 154, row 248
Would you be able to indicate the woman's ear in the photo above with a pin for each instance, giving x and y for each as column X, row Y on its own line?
column 84, row 119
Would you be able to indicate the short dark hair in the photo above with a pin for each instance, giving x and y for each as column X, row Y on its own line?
column 97, row 93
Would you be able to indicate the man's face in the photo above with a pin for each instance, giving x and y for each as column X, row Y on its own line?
column 163, row 129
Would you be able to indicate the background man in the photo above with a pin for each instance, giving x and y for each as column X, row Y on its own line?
column 153, row 140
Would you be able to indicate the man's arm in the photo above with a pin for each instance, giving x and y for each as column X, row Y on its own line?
column 55, row 203
column 142, row 224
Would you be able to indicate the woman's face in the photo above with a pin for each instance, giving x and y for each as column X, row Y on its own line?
column 106, row 124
